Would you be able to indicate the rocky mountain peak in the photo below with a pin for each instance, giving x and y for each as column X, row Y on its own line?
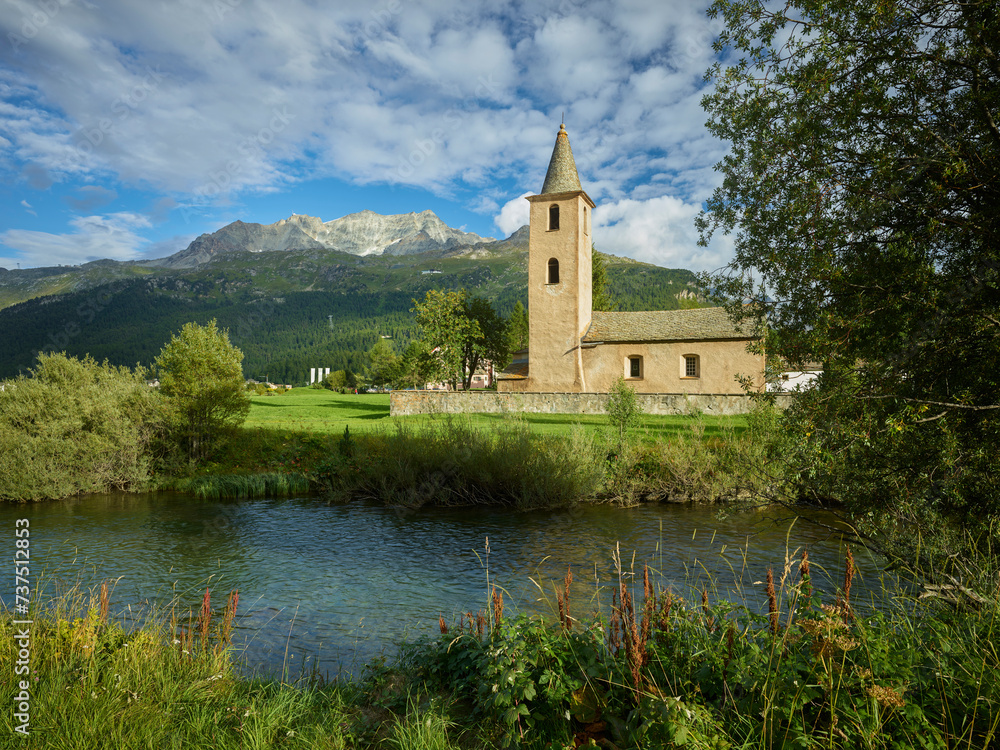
column 361, row 233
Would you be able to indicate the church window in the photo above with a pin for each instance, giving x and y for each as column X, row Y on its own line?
column 553, row 276
column 586, row 221
column 553, row 217
column 692, row 366
column 634, row 368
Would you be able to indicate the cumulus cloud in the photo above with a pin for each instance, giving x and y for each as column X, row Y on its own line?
column 204, row 101
column 94, row 237
column 660, row 230
column 513, row 215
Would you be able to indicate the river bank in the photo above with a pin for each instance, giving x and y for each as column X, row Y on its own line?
column 514, row 460
column 347, row 446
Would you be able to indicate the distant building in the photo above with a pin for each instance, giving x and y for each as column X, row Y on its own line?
column 573, row 349
column 796, row 380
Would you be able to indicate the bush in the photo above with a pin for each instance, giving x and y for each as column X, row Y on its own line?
column 341, row 381
column 736, row 466
column 623, row 410
column 75, row 426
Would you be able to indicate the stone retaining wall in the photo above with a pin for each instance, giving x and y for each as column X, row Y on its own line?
column 403, row 403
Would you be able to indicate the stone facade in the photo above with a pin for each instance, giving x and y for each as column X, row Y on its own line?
column 405, row 403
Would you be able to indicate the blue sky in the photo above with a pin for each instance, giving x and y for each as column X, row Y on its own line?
column 129, row 128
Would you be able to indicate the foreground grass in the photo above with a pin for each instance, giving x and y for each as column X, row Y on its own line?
column 95, row 685
column 658, row 671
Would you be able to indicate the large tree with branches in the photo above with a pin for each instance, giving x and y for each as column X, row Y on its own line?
column 463, row 332
column 862, row 188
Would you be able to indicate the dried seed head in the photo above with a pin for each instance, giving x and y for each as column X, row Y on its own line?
column 772, row 601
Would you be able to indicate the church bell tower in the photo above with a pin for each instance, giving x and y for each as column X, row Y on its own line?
column 559, row 275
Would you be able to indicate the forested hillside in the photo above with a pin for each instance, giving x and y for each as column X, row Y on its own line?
column 289, row 311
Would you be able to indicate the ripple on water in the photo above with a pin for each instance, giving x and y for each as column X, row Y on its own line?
column 332, row 585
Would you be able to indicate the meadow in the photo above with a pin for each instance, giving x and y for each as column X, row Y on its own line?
column 323, row 411
column 351, row 448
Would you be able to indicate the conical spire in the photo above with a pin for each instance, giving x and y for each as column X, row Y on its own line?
column 562, row 176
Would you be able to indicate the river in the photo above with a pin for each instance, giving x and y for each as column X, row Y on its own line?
column 327, row 587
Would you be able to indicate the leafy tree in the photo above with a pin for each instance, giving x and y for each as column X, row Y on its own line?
column 463, row 332
column 340, row 379
column 493, row 343
column 335, row 380
column 445, row 327
column 416, row 366
column 201, row 376
column 518, row 328
column 382, row 364
column 862, row 186
column 623, row 410
column 599, row 282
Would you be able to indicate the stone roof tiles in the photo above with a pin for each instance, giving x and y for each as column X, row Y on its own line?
column 561, row 176
column 706, row 323
column 518, row 368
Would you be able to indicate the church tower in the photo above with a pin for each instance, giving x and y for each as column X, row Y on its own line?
column 559, row 275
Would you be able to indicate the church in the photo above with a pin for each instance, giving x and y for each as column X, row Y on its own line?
column 574, row 349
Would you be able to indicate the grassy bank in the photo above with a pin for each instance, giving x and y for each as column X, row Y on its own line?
column 457, row 460
column 789, row 669
column 294, row 442
column 521, row 460
column 170, row 684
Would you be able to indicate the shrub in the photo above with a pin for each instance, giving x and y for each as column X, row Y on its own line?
column 75, row 426
column 450, row 462
column 790, row 670
column 623, row 410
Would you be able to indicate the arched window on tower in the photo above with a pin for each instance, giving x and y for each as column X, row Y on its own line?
column 553, row 271
column 553, row 217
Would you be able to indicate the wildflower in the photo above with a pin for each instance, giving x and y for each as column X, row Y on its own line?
column 886, row 696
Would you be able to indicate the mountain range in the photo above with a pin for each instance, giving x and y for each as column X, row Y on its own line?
column 295, row 294
column 363, row 233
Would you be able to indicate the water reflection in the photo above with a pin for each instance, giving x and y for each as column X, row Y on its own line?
column 330, row 585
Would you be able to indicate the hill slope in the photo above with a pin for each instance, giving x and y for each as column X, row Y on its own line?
column 288, row 310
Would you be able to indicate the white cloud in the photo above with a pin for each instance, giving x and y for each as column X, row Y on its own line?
column 29, row 208
column 513, row 215
column 95, row 237
column 202, row 101
column 169, row 93
column 660, row 230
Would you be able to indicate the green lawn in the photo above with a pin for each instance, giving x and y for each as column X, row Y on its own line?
column 323, row 411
